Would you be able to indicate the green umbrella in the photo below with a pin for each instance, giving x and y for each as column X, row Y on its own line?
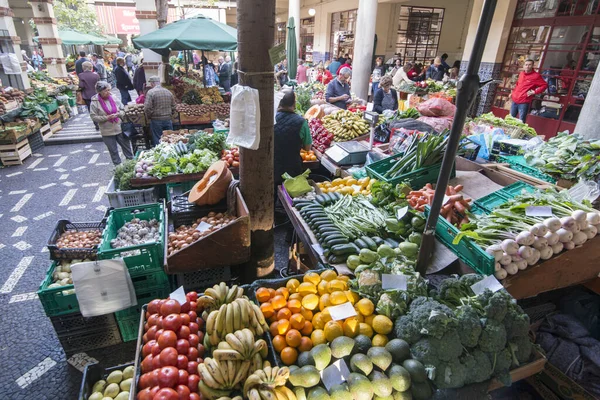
column 112, row 39
column 74, row 38
column 292, row 49
column 196, row 33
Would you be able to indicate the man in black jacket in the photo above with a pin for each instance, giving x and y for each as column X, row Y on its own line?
column 79, row 63
column 224, row 75
column 124, row 83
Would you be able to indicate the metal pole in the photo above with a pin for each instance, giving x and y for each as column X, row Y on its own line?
column 466, row 92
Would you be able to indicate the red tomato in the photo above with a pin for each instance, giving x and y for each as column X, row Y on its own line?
column 182, row 361
column 147, row 363
column 172, row 322
column 170, row 307
column 235, row 164
column 192, row 296
column 193, row 305
column 168, row 357
column 201, row 350
column 194, row 340
column 183, row 392
column 193, row 327
column 183, row 346
column 167, row 339
column 192, row 367
column 193, row 382
column 200, row 360
column 185, row 308
column 200, row 323
column 154, row 378
column 145, row 394
column 153, row 320
column 147, row 349
column 185, row 319
column 192, row 353
column 200, row 337
column 144, row 381
column 183, row 377
column 168, row 377
column 152, row 332
column 193, row 315
column 156, row 362
column 155, row 349
column 154, row 306
column 184, row 332
column 166, row 393
column 146, row 326
column 159, row 323
column 145, row 338
column 195, row 396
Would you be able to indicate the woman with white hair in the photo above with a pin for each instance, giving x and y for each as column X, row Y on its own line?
column 108, row 112
column 87, row 84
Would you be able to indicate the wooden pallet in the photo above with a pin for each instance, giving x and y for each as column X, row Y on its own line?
column 15, row 154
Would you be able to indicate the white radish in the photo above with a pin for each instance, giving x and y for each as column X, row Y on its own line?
column 521, row 264
column 506, row 259
column 495, row 251
column 497, row 266
column 568, row 223
column 593, row 218
column 576, row 228
column 579, row 238
column 512, row 268
column 583, row 225
column 579, row 215
column 535, row 257
column 534, row 230
column 564, row 235
column 525, row 252
column 569, row 245
column 557, row 248
column 551, row 238
column 591, row 232
column 511, row 247
column 501, row 274
column 546, row 253
column 540, row 228
column 524, row 238
column 540, row 243
column 553, row 224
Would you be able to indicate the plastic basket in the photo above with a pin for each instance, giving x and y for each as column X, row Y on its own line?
column 36, row 141
column 75, row 322
column 72, row 254
column 129, row 319
column 55, row 300
column 85, row 341
column 416, row 179
column 518, row 163
column 200, row 280
column 92, row 374
column 50, row 107
column 499, row 197
column 177, row 189
column 129, row 198
column 185, row 213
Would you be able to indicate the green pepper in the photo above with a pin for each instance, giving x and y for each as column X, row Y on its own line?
column 415, row 238
column 353, row 262
column 367, row 256
column 417, row 221
column 409, row 249
column 392, row 225
column 386, row 251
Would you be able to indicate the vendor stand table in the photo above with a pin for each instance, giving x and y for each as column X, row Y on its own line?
column 177, row 178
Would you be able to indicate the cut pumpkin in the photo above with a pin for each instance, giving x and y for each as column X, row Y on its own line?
column 212, row 188
column 314, row 112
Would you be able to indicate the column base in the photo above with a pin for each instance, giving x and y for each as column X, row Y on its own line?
column 485, row 97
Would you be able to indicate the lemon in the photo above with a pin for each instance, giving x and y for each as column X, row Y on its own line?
column 364, row 329
column 365, row 307
column 317, row 321
column 337, row 285
column 306, row 288
column 338, row 298
column 312, row 277
column 333, row 330
column 310, row 301
column 318, row 337
column 351, row 296
column 351, row 327
column 292, row 285
column 324, row 301
column 379, row 340
column 382, row 324
column 322, row 288
column 369, row 320
column 328, row 275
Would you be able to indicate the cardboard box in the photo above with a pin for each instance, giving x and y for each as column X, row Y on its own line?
column 552, row 380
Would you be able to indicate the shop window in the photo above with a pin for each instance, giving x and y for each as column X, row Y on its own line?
column 280, row 33
column 343, row 27
column 307, row 37
column 419, row 30
column 577, row 7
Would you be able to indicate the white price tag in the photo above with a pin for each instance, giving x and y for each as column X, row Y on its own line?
column 538, row 211
column 335, row 374
column 490, row 282
column 342, row 311
column 446, row 200
column 389, row 281
column 317, row 247
column 203, row 227
column 179, row 295
column 401, row 212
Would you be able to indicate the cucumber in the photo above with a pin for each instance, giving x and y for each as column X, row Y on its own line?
column 337, row 195
column 370, row 242
column 393, row 244
column 337, row 259
column 303, row 204
column 324, row 227
column 324, row 230
column 320, row 220
column 326, row 252
column 334, row 236
column 378, row 241
column 335, row 242
column 344, row 249
column 332, row 197
column 361, row 244
column 321, row 199
column 296, row 202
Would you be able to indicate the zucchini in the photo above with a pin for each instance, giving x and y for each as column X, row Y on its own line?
column 361, row 244
column 317, row 214
column 344, row 249
column 336, row 259
column 378, row 241
column 324, row 227
column 393, row 244
column 332, row 197
column 326, row 231
column 334, row 236
column 337, row 195
column 321, row 199
column 300, row 206
column 320, row 220
column 370, row 243
column 326, row 252
column 337, row 241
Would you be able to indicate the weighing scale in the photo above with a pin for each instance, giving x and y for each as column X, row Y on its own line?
column 348, row 153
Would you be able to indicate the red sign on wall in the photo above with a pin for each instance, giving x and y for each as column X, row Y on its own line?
column 125, row 20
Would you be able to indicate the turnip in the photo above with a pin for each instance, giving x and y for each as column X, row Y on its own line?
column 511, row 247
column 512, row 268
column 579, row 215
column 583, row 225
column 568, row 223
column 591, row 232
column 576, row 228
column 579, row 238
column 569, row 245
column 553, row 224
column 540, row 243
column 593, row 218
column 497, row 266
column 525, row 252
column 506, row 259
column 521, row 264
column 524, row 238
column 564, row 235
column 546, row 253
column 501, row 274
column 551, row 238
column 557, row 248
column 495, row 251
column 540, row 229
column 535, row 257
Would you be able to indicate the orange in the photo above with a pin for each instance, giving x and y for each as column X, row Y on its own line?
column 278, row 302
column 283, row 326
column 279, row 343
column 359, row 317
column 344, row 278
column 271, row 292
column 267, row 310
column 283, row 292
column 307, row 314
column 294, row 305
column 293, row 338
column 318, row 337
column 324, row 301
column 328, row 275
column 289, row 355
column 336, row 285
column 312, row 277
column 273, row 328
column 337, row 298
column 365, row 307
column 325, row 315
column 262, row 295
column 310, row 301
column 322, row 288
column 307, row 329
column 292, row 285
column 318, row 321
column 369, row 320
column 351, row 327
column 272, row 319
column 297, row 321
column 305, row 344
column 351, row 296
column 364, row 329
column 307, row 288
column 295, row 296
column 332, row 330
column 284, row 313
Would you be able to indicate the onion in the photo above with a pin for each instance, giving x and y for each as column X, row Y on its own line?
column 525, row 252
column 564, row 235
column 583, row 225
column 535, row 257
column 579, row 238
column 524, row 238
column 591, row 232
column 568, row 223
column 579, row 215
column 553, row 224
column 521, row 264
column 551, row 238
column 593, row 218
column 546, row 253
column 540, row 243
column 510, row 246
column 557, row 248
column 501, row 274
column 511, row 268
column 540, row 228
column 497, row 266
column 569, row 245
column 506, row 259
column 495, row 251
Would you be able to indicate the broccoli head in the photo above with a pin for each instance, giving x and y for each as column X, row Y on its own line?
column 469, row 324
column 478, row 366
column 431, row 317
column 405, row 328
column 469, row 280
column 430, row 350
column 451, row 292
column 393, row 304
column 501, row 361
column 450, row 375
column 520, row 348
column 516, row 322
column 493, row 336
column 495, row 305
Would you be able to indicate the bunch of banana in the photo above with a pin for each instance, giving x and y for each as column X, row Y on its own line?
column 218, row 295
column 231, row 317
column 345, row 125
column 269, row 384
column 240, row 346
column 221, row 377
column 229, row 398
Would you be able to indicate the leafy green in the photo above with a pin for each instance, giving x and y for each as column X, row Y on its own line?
column 123, row 174
column 214, row 142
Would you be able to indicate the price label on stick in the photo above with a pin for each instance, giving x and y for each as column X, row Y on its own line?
column 401, row 212
column 490, row 282
column 389, row 281
column 203, row 227
column 538, row 211
column 342, row 311
column 179, row 295
column 336, row 374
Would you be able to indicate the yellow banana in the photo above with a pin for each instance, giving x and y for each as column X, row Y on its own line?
column 236, row 344
column 288, row 392
column 210, row 322
column 231, row 293
column 224, row 346
column 211, row 394
column 245, row 321
column 236, row 316
column 231, row 372
column 214, row 368
column 259, row 346
column 229, row 355
column 229, row 320
column 248, row 338
column 220, row 325
column 253, row 394
column 242, row 372
column 281, row 395
column 253, row 380
column 223, row 290
column 208, row 378
column 260, row 316
column 266, row 394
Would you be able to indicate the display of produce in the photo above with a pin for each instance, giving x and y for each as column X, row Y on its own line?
column 568, row 157
column 513, row 127
column 345, row 125
column 182, row 135
column 212, row 188
column 421, row 150
column 220, row 110
column 134, row 111
column 74, row 239
column 322, row 138
column 517, row 239
column 455, row 209
column 347, row 185
column 62, row 275
column 186, row 235
column 308, row 155
column 231, row 157
column 124, row 172
column 116, row 385
column 137, row 231
column 7, row 95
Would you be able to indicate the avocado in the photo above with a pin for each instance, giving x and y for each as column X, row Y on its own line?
column 342, row 346
column 416, row 370
column 340, row 392
column 318, row 393
column 322, row 356
column 305, row 358
column 360, row 387
column 361, row 363
column 381, row 384
column 399, row 377
column 380, row 357
column 421, row 391
column 399, row 349
column 300, row 393
column 406, row 395
column 363, row 344
column 307, row 376
column 292, row 368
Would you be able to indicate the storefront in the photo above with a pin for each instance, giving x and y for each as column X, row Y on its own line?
column 419, row 31
column 343, row 28
column 307, row 38
column 563, row 39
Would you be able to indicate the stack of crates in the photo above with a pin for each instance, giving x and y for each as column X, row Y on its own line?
column 144, row 262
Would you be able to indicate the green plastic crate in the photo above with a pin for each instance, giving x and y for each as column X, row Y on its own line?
column 72, row 102
column 129, row 319
column 416, row 179
column 55, row 301
column 518, row 163
column 50, row 107
column 176, row 189
column 499, row 197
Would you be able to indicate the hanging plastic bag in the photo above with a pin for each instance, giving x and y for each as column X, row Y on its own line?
column 382, row 133
column 244, row 129
column 297, row 185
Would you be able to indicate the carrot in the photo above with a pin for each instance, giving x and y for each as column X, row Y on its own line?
column 458, row 206
column 447, row 207
column 448, row 191
column 465, row 220
column 451, row 191
column 458, row 188
column 429, row 197
column 412, row 202
column 468, row 200
column 456, row 197
column 428, row 186
column 449, row 218
column 416, row 193
column 444, row 213
column 466, row 204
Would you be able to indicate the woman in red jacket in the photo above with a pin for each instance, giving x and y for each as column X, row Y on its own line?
column 528, row 85
column 324, row 76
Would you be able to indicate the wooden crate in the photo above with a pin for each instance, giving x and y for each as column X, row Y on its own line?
column 55, row 127
column 194, row 120
column 14, row 154
column 524, row 371
column 46, row 132
column 53, row 117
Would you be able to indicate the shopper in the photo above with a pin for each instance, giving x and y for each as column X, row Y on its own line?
column 397, row 66
column 124, row 83
column 338, row 90
column 79, row 63
column 291, row 134
column 129, row 62
column 378, row 72
column 37, row 60
column 347, row 64
column 301, row 75
column 402, row 75
column 323, row 76
column 444, row 63
column 159, row 108
column 528, row 85
column 139, row 78
column 334, row 66
column 435, row 70
column 107, row 112
column 386, row 98
column 87, row 84
column 210, row 75
column 99, row 66
column 224, row 75
column 281, row 73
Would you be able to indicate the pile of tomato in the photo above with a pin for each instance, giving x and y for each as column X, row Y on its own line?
column 231, row 157
column 172, row 350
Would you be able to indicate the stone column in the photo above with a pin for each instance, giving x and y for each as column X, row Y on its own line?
column 294, row 11
column 10, row 39
column 587, row 124
column 363, row 47
column 146, row 14
column 43, row 16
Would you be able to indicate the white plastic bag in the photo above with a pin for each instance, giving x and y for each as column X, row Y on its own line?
column 103, row 287
column 244, row 125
